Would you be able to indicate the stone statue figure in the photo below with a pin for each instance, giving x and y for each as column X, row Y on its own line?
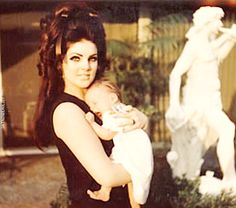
column 195, row 116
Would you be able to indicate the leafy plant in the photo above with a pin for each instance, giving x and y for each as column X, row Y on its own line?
column 137, row 80
column 188, row 196
column 62, row 198
column 141, row 70
column 166, row 192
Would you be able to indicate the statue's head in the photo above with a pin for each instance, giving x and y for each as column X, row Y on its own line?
column 207, row 14
column 206, row 19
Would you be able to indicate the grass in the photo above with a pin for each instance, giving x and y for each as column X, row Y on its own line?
column 167, row 192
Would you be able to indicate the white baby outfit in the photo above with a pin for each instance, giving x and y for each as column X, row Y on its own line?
column 133, row 150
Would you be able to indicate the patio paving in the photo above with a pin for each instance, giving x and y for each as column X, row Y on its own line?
column 29, row 181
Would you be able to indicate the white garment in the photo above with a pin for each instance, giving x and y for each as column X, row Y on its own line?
column 133, row 150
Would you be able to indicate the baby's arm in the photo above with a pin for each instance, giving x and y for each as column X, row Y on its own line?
column 102, row 133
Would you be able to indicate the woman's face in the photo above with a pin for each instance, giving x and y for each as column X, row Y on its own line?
column 80, row 64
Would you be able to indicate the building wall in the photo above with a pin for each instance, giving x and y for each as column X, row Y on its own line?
column 228, row 69
column 129, row 31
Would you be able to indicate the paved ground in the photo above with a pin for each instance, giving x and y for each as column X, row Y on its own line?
column 33, row 181
column 29, row 182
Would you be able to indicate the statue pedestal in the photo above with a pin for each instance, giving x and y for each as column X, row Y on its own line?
column 185, row 156
column 214, row 186
column 210, row 184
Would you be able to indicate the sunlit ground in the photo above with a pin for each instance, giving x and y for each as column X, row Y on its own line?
column 33, row 181
column 29, row 182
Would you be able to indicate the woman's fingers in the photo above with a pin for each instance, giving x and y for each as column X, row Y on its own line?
column 133, row 119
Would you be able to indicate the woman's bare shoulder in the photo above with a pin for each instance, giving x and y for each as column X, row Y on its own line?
column 67, row 112
column 67, row 107
column 69, row 120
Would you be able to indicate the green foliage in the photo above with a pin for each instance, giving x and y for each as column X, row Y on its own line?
column 62, row 198
column 187, row 193
column 162, row 188
column 166, row 192
column 117, row 48
column 168, row 37
column 162, row 26
column 188, row 196
column 138, row 78
column 136, row 70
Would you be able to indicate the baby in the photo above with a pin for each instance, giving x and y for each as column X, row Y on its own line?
column 131, row 149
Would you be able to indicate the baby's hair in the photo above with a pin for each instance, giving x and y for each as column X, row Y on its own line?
column 109, row 85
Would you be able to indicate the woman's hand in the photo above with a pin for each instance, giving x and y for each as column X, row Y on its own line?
column 132, row 119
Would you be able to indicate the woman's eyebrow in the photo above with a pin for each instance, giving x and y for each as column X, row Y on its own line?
column 73, row 53
column 78, row 54
column 93, row 55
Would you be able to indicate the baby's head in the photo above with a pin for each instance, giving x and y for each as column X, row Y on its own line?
column 102, row 95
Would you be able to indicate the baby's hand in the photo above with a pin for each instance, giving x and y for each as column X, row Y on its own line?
column 90, row 117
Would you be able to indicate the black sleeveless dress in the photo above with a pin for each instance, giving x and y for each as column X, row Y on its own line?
column 78, row 179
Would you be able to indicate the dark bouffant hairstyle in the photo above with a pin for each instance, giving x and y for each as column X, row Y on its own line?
column 68, row 23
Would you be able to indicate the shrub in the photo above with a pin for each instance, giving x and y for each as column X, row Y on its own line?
column 188, row 196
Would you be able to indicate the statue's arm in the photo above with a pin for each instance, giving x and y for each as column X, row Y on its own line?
column 223, row 45
column 175, row 117
column 182, row 65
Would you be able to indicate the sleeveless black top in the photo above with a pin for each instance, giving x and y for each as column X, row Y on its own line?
column 78, row 179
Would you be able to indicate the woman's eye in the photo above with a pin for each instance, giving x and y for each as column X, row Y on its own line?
column 75, row 58
column 93, row 59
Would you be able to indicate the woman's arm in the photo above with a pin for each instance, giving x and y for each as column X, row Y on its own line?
column 71, row 126
column 103, row 133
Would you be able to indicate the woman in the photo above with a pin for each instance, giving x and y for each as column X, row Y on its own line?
column 72, row 56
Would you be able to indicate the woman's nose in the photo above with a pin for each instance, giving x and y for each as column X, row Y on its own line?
column 85, row 65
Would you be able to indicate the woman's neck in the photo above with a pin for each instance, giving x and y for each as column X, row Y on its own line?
column 79, row 93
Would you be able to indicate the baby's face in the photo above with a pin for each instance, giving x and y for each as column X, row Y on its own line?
column 99, row 99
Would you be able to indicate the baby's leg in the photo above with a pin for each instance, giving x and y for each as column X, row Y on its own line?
column 133, row 203
column 102, row 194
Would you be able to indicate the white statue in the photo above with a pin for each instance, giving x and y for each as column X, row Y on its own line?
column 196, row 119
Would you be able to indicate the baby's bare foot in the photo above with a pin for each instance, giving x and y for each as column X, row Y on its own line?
column 99, row 195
